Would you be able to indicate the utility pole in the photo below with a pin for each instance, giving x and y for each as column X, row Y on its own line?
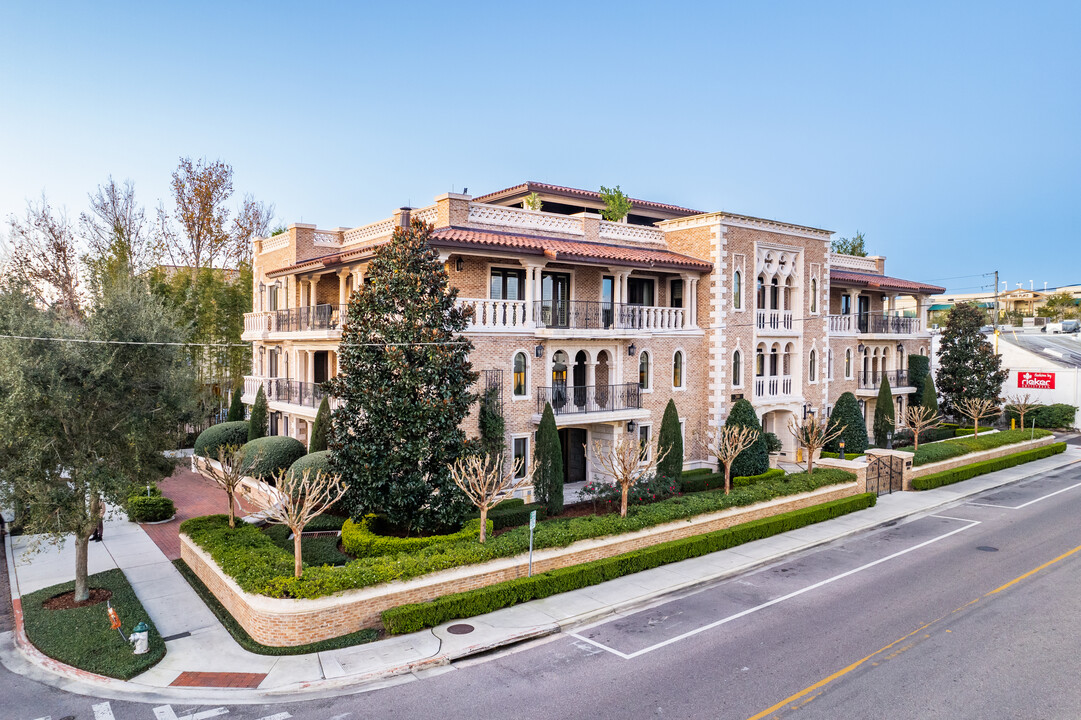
column 996, row 312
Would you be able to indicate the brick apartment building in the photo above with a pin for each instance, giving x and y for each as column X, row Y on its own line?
column 607, row 321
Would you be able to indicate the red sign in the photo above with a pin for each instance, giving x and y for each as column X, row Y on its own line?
column 1036, row 381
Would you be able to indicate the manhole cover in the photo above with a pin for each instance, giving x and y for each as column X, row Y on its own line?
column 460, row 629
column 987, row 548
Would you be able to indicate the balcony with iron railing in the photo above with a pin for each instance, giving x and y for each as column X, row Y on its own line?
column 872, row 379
column 326, row 319
column 869, row 324
column 284, row 390
column 582, row 399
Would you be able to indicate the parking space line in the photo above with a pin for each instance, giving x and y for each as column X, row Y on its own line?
column 1024, row 505
column 775, row 601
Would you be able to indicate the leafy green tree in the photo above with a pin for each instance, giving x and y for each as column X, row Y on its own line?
column 82, row 423
column 236, row 407
column 929, row 398
column 258, row 423
column 884, row 422
column 967, row 364
column 548, row 458
column 670, row 439
column 919, row 368
column 616, row 205
column 755, row 459
column 404, row 389
column 318, row 440
column 847, row 413
column 850, row 246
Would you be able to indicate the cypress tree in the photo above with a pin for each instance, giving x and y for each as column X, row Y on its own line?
column 670, row 438
column 755, row 459
column 257, row 424
column 318, row 440
column 930, row 395
column 847, row 413
column 236, row 408
column 884, row 414
column 919, row 367
column 548, row 456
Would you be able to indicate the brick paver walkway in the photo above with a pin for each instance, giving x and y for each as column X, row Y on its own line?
column 218, row 679
column 194, row 496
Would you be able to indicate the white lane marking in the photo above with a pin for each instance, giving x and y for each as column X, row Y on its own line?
column 165, row 712
column 1024, row 505
column 948, row 517
column 278, row 716
column 342, row 716
column 775, row 601
column 207, row 714
column 47, row 717
column 102, row 711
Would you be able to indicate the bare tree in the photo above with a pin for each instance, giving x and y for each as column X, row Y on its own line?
column 628, row 461
column 485, row 482
column 814, row 434
column 300, row 497
column 205, row 236
column 725, row 444
column 1020, row 404
column 921, row 418
column 117, row 231
column 231, row 476
column 44, row 255
column 977, row 409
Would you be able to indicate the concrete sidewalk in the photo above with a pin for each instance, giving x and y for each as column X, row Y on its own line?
column 198, row 662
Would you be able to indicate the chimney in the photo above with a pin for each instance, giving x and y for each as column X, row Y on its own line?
column 401, row 217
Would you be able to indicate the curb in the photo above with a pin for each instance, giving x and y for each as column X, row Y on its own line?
column 21, row 657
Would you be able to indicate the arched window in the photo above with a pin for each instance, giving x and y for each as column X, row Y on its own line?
column 760, row 362
column 677, row 369
column 774, row 356
column 923, row 351
column 829, row 364
column 814, row 295
column 643, row 371
column 519, row 374
column 559, row 379
column 761, row 293
column 848, row 363
column 774, row 294
column 811, row 369
column 737, row 290
column 737, row 368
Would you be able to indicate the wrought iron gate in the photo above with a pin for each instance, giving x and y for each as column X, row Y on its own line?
column 885, row 473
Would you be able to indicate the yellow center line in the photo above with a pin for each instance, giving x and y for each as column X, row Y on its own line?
column 846, row 670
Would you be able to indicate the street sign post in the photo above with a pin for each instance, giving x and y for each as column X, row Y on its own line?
column 532, row 524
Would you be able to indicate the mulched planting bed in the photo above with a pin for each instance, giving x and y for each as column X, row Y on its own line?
column 66, row 601
column 82, row 637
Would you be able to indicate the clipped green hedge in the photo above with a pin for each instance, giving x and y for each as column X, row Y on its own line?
column 215, row 436
column 259, row 566
column 82, row 637
column 263, row 457
column 313, row 550
column 319, row 460
column 837, row 456
column 969, row 432
column 957, row 447
column 155, row 508
column 713, row 481
column 362, row 540
column 513, row 512
column 965, row 472
column 410, row 618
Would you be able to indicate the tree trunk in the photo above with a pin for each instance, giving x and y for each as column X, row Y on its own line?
column 727, row 478
column 232, row 522
column 297, row 554
column 483, row 522
column 810, row 461
column 82, row 590
column 625, row 488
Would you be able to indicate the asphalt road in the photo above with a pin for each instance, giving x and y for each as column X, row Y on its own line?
column 972, row 612
column 1059, row 348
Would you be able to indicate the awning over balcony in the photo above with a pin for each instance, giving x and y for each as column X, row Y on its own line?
column 850, row 278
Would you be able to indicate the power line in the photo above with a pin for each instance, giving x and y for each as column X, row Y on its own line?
column 178, row 344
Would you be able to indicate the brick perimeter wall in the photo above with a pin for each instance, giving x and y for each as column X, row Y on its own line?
column 282, row 622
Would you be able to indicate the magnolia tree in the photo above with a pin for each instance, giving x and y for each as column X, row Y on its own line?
column 1020, row 404
column 298, row 498
column 976, row 408
column 487, row 482
column 628, row 461
column 813, row 434
column 921, row 418
column 725, row 444
column 231, row 475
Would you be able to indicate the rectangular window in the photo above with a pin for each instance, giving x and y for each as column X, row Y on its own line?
column 521, row 456
column 273, row 297
column 507, row 284
column 643, row 441
column 640, row 291
column 677, row 294
column 846, row 304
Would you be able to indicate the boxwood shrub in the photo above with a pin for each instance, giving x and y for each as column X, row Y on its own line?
column 837, row 456
column 312, row 461
column 1058, row 415
column 964, row 445
column 363, row 539
column 150, row 509
column 228, row 433
column 969, row 432
column 513, row 512
column 410, row 618
column 948, row 477
column 265, row 456
column 259, row 566
column 713, row 481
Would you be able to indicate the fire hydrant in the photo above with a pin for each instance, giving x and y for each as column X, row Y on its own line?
column 140, row 638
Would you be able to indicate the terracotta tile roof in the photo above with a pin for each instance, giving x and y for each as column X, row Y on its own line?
column 570, row 250
column 882, row 282
column 532, row 186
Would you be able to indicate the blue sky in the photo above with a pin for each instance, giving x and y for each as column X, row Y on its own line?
column 948, row 133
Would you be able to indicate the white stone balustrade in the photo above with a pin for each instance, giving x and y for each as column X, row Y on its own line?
column 499, row 315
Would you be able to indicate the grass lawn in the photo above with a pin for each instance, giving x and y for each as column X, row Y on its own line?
column 83, row 638
column 245, row 640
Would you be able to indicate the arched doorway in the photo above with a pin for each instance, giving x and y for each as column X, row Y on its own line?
column 578, row 378
column 601, row 380
column 559, row 379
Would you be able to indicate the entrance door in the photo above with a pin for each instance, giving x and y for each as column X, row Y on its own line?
column 579, row 378
column 555, row 299
column 573, row 441
column 320, row 371
column 863, row 308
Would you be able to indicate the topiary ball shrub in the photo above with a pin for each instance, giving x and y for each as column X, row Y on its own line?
column 215, row 436
column 846, row 413
column 312, row 461
column 150, row 509
column 264, row 457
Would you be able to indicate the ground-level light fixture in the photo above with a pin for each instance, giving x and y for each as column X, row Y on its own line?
column 889, row 439
column 842, row 446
